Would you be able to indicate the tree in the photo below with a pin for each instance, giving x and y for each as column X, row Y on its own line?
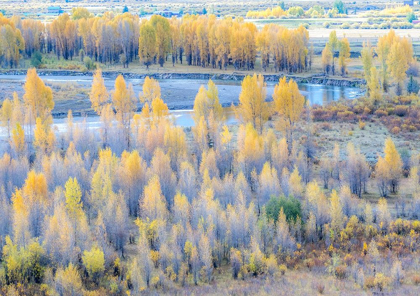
column 80, row 13
column 6, row 114
column 357, row 170
column 333, row 45
column 11, row 45
column 124, row 102
column 68, row 281
column 163, row 37
column 207, row 102
column 413, row 86
column 252, row 106
column 394, row 164
column 398, row 64
column 152, row 204
column 74, row 204
column 94, row 262
column 373, row 86
column 366, row 55
column 336, row 213
column 147, row 43
column 99, row 96
column 18, row 140
column 151, row 90
column 339, row 5
column 327, row 59
column 344, row 55
column 44, row 137
column 288, row 104
column 38, row 99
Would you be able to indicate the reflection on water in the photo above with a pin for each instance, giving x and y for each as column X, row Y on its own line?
column 322, row 94
column 185, row 118
column 315, row 93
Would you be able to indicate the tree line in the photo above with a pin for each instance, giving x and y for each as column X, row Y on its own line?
column 125, row 38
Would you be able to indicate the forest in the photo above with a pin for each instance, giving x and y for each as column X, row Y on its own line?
column 193, row 40
column 143, row 206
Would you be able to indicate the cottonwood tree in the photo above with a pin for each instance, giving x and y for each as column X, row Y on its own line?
column 289, row 104
column 38, row 100
column 123, row 100
column 366, row 56
column 357, row 170
column 151, row 90
column 153, row 205
column 6, row 114
column 389, row 168
column 344, row 55
column 252, row 106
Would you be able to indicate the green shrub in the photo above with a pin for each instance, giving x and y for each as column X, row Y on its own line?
column 36, row 59
column 89, row 64
column 291, row 207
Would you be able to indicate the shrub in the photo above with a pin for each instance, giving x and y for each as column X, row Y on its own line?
column 365, row 26
column 89, row 64
column 320, row 287
column 346, row 115
column 340, row 272
column 416, row 279
column 283, row 269
column 362, row 125
column 326, row 126
column 395, row 130
column 369, row 282
column 413, row 86
column 401, row 110
column 36, row 59
column 345, row 26
column 291, row 207
column 381, row 281
column 381, row 113
column 413, row 69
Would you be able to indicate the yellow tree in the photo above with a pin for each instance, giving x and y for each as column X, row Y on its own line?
column 147, row 44
column 153, row 204
column 74, row 202
column 289, row 104
column 374, row 86
column 344, row 55
column 124, row 102
column 333, row 44
column 382, row 50
column 398, row 61
column 21, row 234
column 394, row 164
column 366, row 55
column 252, row 106
column 163, row 37
column 38, row 98
column 18, row 140
column 99, row 96
column 151, row 90
column 207, row 102
column 326, row 59
column 336, row 213
column 44, row 137
column 160, row 111
column 94, row 262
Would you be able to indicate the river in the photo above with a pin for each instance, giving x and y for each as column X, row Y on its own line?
column 178, row 94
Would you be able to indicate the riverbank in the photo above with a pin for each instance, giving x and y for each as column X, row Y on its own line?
column 235, row 76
